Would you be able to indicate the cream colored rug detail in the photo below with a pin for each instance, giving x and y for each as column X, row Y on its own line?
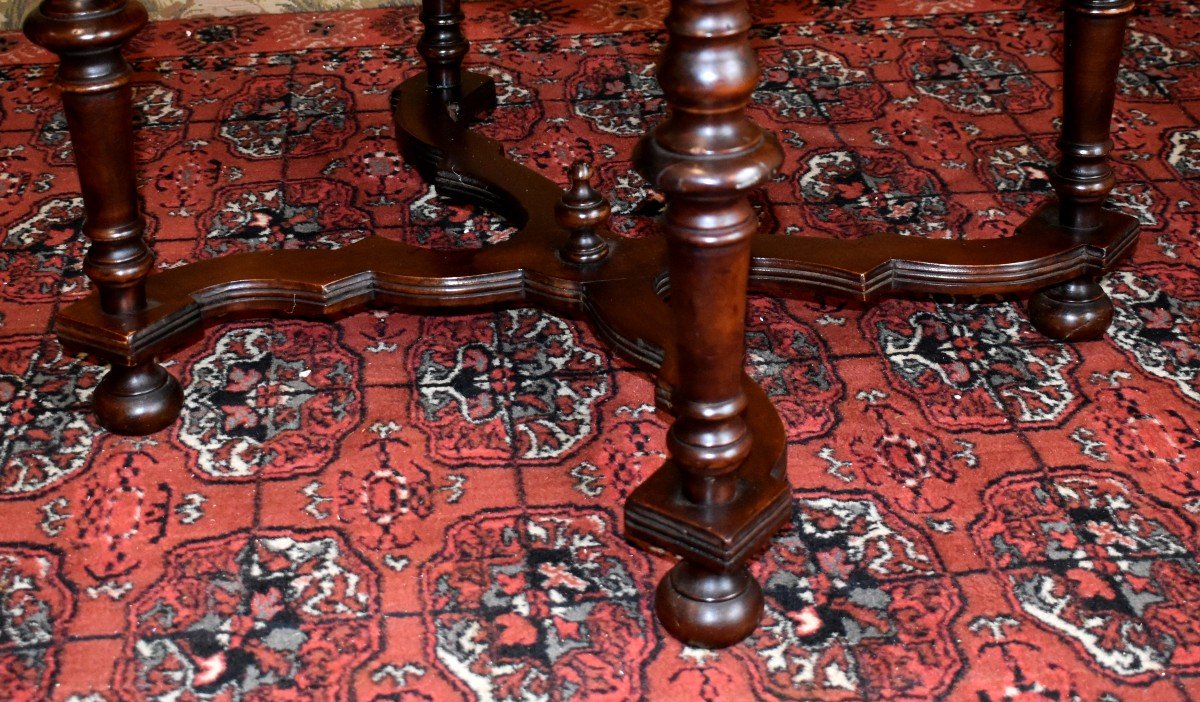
column 14, row 11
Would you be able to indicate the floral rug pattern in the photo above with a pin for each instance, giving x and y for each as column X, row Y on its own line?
column 390, row 507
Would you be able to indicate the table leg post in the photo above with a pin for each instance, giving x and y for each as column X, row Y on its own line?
column 706, row 157
column 709, row 253
column 94, row 79
column 1094, row 34
column 443, row 46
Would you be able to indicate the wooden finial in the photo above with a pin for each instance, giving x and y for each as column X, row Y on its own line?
column 581, row 211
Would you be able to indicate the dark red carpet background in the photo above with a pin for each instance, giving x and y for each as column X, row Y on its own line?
column 391, row 507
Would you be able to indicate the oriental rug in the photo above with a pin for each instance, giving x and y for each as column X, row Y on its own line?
column 395, row 507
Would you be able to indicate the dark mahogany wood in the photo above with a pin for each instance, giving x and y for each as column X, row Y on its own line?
column 580, row 211
column 706, row 157
column 93, row 78
column 443, row 46
column 675, row 304
column 1094, row 36
column 1039, row 252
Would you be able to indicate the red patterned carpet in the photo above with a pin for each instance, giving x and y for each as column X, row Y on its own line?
column 392, row 507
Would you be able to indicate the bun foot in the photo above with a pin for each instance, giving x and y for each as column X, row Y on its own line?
column 1077, row 310
column 709, row 609
column 137, row 400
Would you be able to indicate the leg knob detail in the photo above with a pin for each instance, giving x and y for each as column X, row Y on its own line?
column 581, row 211
column 709, row 609
column 1077, row 310
column 137, row 400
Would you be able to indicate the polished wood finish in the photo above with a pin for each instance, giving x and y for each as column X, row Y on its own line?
column 581, row 211
column 706, row 157
column 675, row 304
column 443, row 46
column 1094, row 35
column 1039, row 253
column 93, row 78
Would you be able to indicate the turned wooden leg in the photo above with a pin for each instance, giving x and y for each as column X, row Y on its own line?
column 1094, row 37
column 1077, row 310
column 93, row 77
column 706, row 157
column 447, row 98
column 443, row 45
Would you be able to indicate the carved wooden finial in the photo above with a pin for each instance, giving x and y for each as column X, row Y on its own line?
column 581, row 211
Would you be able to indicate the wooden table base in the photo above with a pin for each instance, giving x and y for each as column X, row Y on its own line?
column 723, row 492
